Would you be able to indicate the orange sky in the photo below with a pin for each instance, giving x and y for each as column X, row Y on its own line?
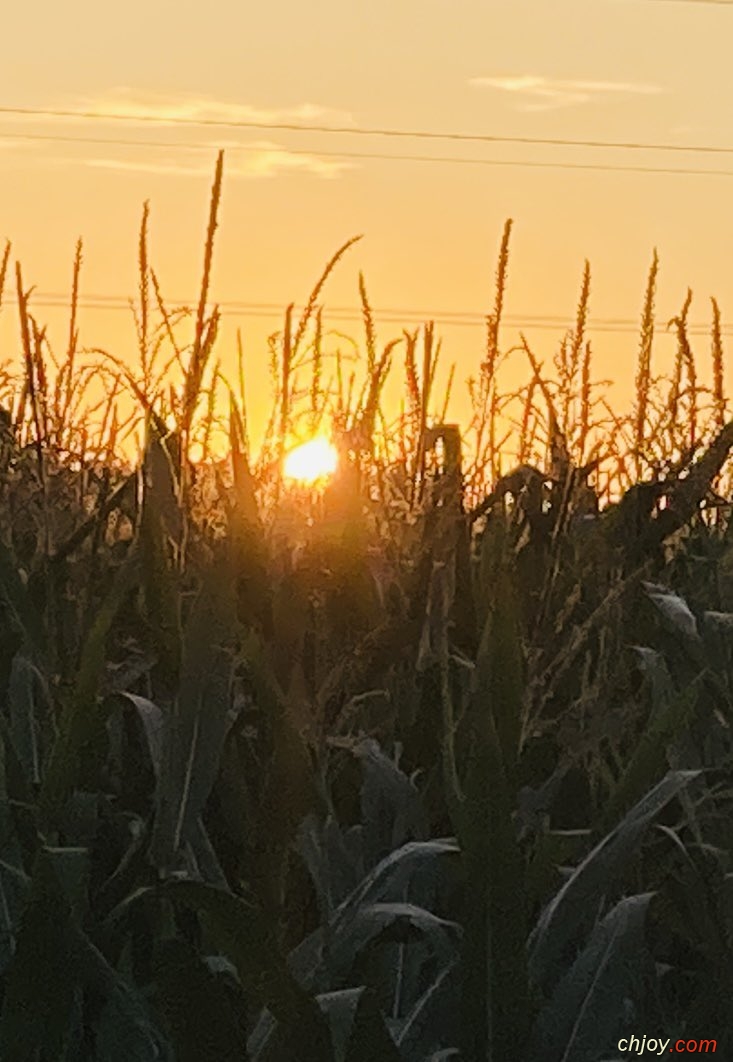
column 630, row 70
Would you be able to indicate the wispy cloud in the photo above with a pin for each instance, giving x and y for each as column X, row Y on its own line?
column 260, row 160
column 144, row 111
column 539, row 93
column 164, row 109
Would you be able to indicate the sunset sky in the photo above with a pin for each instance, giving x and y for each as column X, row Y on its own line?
column 644, row 71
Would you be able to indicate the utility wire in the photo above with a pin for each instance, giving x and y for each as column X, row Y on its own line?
column 51, row 297
column 419, row 134
column 272, row 311
column 373, row 155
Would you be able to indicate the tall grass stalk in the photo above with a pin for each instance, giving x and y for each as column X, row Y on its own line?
column 206, row 328
column 643, row 372
column 719, row 402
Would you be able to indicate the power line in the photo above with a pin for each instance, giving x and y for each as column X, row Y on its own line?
column 113, row 140
column 352, row 315
column 373, row 155
column 419, row 134
column 246, row 304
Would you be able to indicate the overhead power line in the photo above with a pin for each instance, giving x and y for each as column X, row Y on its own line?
column 349, row 130
column 372, row 155
column 387, row 316
column 246, row 304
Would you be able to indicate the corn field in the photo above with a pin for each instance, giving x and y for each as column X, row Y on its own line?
column 429, row 761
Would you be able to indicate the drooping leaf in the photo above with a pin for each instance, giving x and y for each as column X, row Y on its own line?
column 358, row 1032
column 153, row 721
column 572, row 910
column 585, row 1015
column 388, row 880
column 434, row 1019
column 674, row 609
column 329, row 952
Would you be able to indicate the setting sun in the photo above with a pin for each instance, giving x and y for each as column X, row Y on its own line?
column 312, row 461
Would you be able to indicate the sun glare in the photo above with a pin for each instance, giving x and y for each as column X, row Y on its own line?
column 312, row 461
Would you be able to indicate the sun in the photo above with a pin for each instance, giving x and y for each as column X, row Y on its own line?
column 314, row 460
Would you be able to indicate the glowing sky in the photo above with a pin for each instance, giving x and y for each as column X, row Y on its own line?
column 630, row 70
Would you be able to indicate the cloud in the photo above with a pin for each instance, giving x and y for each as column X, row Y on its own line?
column 544, row 94
column 144, row 111
column 164, row 109
column 260, row 160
